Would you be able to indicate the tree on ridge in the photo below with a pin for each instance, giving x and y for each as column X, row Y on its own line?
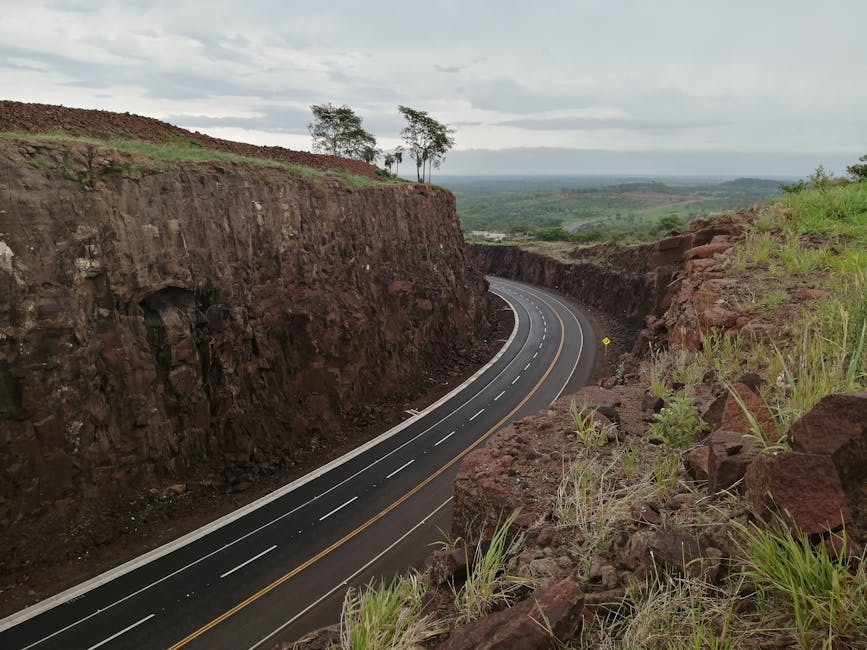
column 337, row 131
column 427, row 139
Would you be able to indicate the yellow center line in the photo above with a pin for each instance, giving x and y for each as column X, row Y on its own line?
column 340, row 542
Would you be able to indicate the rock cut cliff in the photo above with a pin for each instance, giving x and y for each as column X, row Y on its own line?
column 203, row 323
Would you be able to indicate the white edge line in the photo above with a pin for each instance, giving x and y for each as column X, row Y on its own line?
column 243, row 564
column 133, row 564
column 404, row 466
column 340, row 507
column 352, row 577
column 444, row 439
column 123, row 631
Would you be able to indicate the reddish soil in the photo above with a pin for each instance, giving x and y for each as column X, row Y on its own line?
column 18, row 117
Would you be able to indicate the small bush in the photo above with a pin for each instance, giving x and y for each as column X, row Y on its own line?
column 588, row 430
column 678, row 423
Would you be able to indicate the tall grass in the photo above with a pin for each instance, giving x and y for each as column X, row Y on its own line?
column 823, row 600
column 587, row 429
column 826, row 350
column 487, row 579
column 597, row 492
column 827, row 355
column 834, row 210
column 386, row 615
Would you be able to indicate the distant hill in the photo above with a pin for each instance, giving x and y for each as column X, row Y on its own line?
column 504, row 203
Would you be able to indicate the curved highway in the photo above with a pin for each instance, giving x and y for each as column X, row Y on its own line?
column 278, row 567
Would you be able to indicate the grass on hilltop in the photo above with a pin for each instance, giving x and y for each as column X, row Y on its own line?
column 155, row 158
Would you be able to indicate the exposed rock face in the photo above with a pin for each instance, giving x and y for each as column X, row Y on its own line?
column 729, row 454
column 639, row 285
column 625, row 292
column 206, row 323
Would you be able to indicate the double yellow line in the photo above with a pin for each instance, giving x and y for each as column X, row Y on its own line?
column 321, row 554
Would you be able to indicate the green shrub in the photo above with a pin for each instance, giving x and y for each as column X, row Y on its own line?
column 678, row 423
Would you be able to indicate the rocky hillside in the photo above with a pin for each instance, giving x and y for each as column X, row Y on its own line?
column 710, row 493
column 629, row 284
column 169, row 325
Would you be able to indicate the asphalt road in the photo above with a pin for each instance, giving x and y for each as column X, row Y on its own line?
column 278, row 568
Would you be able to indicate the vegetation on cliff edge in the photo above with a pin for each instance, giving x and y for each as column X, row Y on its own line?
column 151, row 158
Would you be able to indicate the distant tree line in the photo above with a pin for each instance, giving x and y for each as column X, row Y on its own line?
column 338, row 131
column 822, row 179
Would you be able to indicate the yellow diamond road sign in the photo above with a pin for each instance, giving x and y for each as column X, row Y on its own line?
column 606, row 341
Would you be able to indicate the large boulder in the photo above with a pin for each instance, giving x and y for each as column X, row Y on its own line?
column 803, row 488
column 558, row 608
column 837, row 427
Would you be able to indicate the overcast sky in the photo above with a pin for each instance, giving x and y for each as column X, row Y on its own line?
column 548, row 86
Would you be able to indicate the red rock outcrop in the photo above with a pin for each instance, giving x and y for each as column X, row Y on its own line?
column 837, row 427
column 626, row 293
column 803, row 488
column 550, row 614
column 820, row 485
column 202, row 324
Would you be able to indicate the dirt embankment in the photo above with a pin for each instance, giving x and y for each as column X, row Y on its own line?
column 202, row 328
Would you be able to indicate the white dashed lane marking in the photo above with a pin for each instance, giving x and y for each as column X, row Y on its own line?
column 444, row 439
column 123, row 631
column 404, row 466
column 477, row 415
column 326, row 516
column 243, row 564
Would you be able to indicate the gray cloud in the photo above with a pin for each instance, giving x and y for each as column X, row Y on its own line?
column 598, row 124
column 450, row 69
column 279, row 119
column 509, row 96
column 218, row 48
column 73, row 7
